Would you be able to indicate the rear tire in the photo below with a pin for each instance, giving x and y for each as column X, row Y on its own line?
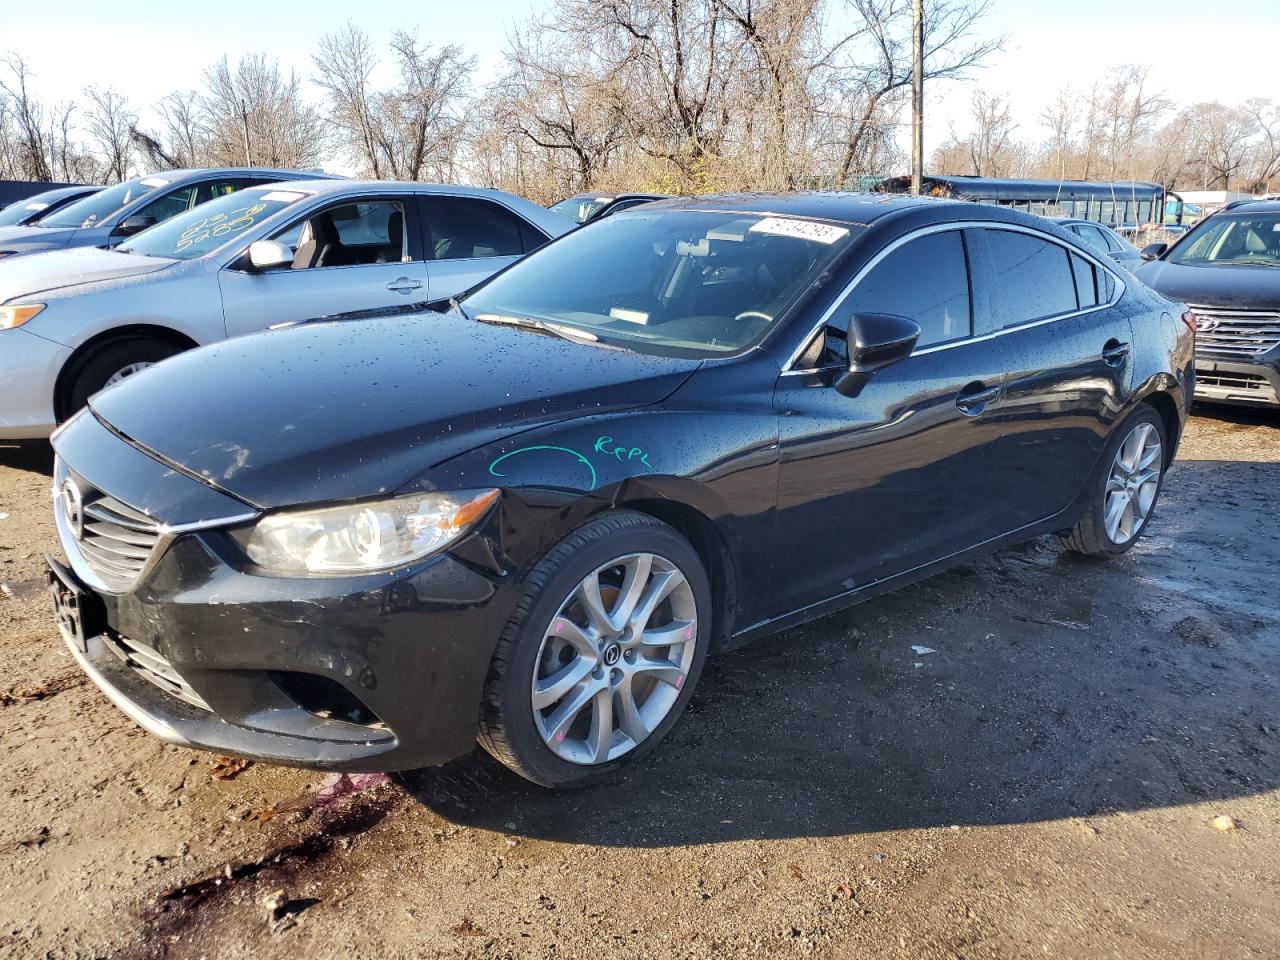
column 117, row 358
column 1124, row 491
column 577, row 689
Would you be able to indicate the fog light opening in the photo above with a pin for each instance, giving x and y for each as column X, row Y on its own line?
column 325, row 698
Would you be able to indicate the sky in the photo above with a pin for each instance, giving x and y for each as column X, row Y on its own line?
column 1196, row 50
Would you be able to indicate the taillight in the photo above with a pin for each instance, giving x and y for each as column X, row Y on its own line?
column 1189, row 318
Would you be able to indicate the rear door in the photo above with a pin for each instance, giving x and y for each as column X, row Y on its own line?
column 359, row 253
column 1067, row 351
column 468, row 239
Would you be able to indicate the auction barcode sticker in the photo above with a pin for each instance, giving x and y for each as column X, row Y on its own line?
column 800, row 229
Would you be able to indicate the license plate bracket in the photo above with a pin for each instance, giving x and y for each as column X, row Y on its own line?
column 77, row 611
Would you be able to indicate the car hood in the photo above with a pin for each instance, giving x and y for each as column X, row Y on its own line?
column 32, row 239
column 356, row 408
column 32, row 276
column 1225, row 286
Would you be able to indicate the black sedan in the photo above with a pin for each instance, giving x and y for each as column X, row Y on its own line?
column 25, row 212
column 528, row 517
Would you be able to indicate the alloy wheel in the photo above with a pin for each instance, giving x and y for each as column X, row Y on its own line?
column 127, row 371
column 614, row 659
column 1132, row 484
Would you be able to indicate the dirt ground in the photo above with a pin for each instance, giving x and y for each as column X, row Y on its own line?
column 1042, row 783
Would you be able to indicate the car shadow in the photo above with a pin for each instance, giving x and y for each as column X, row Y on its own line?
column 1029, row 686
column 1237, row 414
column 33, row 456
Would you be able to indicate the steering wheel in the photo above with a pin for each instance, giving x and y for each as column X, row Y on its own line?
column 746, row 314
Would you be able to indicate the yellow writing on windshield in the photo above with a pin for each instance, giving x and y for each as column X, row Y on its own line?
column 219, row 225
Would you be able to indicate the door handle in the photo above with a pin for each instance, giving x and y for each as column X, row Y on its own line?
column 1114, row 352
column 404, row 285
column 974, row 398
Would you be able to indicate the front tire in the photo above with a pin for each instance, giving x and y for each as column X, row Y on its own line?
column 110, row 363
column 601, row 655
column 1125, row 490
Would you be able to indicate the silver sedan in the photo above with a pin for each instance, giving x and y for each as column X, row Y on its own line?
column 75, row 321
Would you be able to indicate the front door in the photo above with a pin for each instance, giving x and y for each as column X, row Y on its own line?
column 348, row 256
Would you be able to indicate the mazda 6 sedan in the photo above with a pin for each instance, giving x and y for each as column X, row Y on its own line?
column 365, row 545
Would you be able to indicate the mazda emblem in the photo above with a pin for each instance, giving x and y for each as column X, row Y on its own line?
column 73, row 507
column 1206, row 324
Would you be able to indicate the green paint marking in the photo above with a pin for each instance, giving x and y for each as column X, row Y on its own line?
column 573, row 453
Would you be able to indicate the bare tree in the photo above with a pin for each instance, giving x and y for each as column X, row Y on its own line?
column 410, row 131
column 878, row 70
column 184, row 141
column 1061, row 118
column 110, row 123
column 345, row 61
column 283, row 129
column 31, row 160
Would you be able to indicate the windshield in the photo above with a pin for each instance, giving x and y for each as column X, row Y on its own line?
column 581, row 209
column 676, row 283
column 93, row 208
column 1232, row 238
column 200, row 231
column 17, row 212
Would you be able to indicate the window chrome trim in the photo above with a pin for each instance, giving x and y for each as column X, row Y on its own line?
column 1120, row 287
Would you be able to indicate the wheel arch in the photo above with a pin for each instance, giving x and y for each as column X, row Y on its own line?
column 1160, row 392
column 75, row 363
column 708, row 542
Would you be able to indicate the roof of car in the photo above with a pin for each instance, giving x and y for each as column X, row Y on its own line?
column 861, row 208
column 1252, row 206
column 172, row 176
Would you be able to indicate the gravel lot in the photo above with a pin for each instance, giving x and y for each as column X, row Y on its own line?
column 1043, row 784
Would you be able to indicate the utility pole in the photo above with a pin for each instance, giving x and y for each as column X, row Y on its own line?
column 917, row 100
column 244, row 126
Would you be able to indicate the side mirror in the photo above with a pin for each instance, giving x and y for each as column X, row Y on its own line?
column 876, row 341
column 135, row 224
column 269, row 255
column 1152, row 251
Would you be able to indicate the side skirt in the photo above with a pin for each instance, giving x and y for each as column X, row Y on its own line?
column 849, row 598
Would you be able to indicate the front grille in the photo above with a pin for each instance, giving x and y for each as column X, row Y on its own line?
column 1236, row 333
column 118, row 539
column 152, row 667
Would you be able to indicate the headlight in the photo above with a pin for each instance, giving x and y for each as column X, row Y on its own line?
column 18, row 314
column 363, row 537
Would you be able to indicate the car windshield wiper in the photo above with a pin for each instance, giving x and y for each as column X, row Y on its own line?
column 541, row 326
column 456, row 304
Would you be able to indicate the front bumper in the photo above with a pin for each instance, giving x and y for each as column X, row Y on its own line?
column 29, row 368
column 1254, row 383
column 370, row 673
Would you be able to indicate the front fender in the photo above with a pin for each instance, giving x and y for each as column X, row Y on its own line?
column 721, row 465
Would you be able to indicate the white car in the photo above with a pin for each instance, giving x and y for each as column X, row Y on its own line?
column 75, row 321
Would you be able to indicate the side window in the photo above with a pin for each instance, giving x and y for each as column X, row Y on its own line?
column 927, row 280
column 461, row 228
column 213, row 189
column 1086, row 282
column 350, row 234
column 1032, row 279
column 170, row 205
column 1093, row 237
